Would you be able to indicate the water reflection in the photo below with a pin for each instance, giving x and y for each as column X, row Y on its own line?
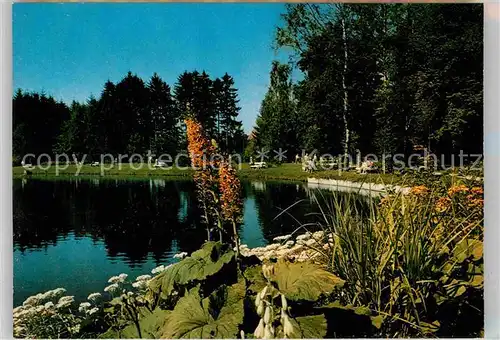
column 103, row 227
column 132, row 219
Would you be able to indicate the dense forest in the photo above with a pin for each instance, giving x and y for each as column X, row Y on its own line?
column 131, row 116
column 378, row 78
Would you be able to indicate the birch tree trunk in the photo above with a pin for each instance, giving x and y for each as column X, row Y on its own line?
column 344, row 87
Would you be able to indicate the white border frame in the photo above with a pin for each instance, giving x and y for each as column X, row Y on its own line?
column 491, row 171
column 492, row 161
column 6, row 222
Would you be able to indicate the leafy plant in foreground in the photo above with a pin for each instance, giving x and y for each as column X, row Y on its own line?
column 416, row 263
column 209, row 297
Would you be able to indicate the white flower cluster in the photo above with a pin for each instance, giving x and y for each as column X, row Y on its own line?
column 243, row 248
column 143, row 277
column 141, row 282
column 65, row 302
column 44, row 297
column 282, row 238
column 180, row 255
column 118, row 279
column 94, row 296
column 111, row 288
column 265, row 329
column 160, row 269
column 85, row 308
column 266, row 310
column 31, row 316
column 115, row 284
column 304, row 237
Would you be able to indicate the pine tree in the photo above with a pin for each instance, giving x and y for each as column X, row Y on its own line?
column 194, row 90
column 164, row 118
column 230, row 128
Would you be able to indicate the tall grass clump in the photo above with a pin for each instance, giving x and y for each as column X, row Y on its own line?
column 414, row 260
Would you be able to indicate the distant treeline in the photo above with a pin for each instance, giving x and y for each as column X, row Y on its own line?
column 131, row 116
column 379, row 78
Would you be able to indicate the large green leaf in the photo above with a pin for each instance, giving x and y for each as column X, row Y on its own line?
column 256, row 280
column 309, row 327
column 151, row 325
column 468, row 248
column 217, row 316
column 304, row 280
column 348, row 321
column 205, row 262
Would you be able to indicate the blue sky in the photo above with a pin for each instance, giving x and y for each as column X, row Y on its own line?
column 69, row 50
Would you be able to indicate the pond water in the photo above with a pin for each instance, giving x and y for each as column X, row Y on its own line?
column 76, row 233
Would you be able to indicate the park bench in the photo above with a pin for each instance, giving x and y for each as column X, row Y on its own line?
column 367, row 167
column 95, row 164
column 328, row 163
column 258, row 165
column 309, row 166
column 160, row 164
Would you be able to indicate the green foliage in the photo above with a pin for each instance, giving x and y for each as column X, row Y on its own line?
column 411, row 267
column 309, row 327
column 223, row 310
column 275, row 123
column 213, row 103
column 130, row 116
column 403, row 68
column 151, row 325
column 217, row 316
column 205, row 262
column 408, row 269
column 303, row 281
column 37, row 120
column 255, row 278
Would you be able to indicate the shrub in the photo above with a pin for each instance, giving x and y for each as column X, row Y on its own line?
column 416, row 262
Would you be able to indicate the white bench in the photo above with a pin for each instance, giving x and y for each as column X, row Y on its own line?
column 328, row 164
column 258, row 165
column 366, row 167
column 161, row 164
column 95, row 164
column 309, row 166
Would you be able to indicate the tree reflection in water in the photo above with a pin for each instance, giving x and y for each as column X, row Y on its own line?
column 147, row 218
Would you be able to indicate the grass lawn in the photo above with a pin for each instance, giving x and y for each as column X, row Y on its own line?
column 291, row 171
column 125, row 170
column 286, row 171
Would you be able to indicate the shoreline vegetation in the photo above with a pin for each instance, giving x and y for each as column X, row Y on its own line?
column 283, row 172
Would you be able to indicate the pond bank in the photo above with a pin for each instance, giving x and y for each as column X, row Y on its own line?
column 366, row 188
column 307, row 246
column 283, row 172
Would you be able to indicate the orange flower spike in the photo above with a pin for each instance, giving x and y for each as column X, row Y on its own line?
column 443, row 204
column 477, row 191
column 198, row 144
column 456, row 189
column 230, row 188
column 476, row 202
column 419, row 190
